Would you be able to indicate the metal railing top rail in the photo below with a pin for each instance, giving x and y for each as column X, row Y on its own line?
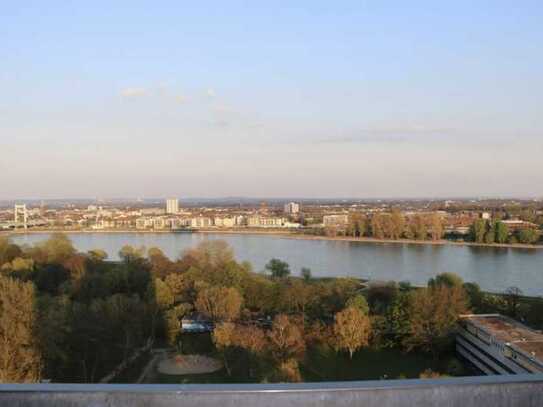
column 480, row 391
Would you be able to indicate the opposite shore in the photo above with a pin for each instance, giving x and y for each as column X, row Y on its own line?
column 282, row 234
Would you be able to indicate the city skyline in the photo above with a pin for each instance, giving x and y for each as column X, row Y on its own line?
column 356, row 99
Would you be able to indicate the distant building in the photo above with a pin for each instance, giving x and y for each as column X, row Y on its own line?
column 265, row 222
column 20, row 215
column 496, row 344
column 201, row 222
column 335, row 220
column 292, row 208
column 172, row 206
column 486, row 216
column 224, row 222
column 514, row 225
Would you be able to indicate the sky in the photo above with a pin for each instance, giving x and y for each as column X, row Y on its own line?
column 368, row 99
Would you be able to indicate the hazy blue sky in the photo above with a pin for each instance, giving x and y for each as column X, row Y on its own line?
column 277, row 98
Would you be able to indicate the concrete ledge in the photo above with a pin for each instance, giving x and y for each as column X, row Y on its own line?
column 492, row 391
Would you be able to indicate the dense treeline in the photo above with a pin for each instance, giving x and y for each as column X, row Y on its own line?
column 485, row 231
column 69, row 316
column 394, row 225
column 391, row 225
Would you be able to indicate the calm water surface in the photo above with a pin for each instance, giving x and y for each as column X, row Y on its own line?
column 494, row 269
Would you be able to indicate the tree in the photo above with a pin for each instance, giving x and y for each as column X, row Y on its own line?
column 359, row 302
column 490, row 235
column 224, row 338
column 306, row 274
column 76, row 266
column 352, row 329
column 219, row 303
column 447, row 280
column 436, row 226
column 296, row 297
column 8, row 251
column 57, row 249
column 357, row 225
column 20, row 359
column 420, row 231
column 474, row 295
column 377, row 226
column 397, row 221
column 433, row 313
column 278, row 268
column 528, row 236
column 512, row 298
column 130, row 254
column 478, row 230
column 286, row 339
column 97, row 255
column 210, row 255
column 254, row 341
column 501, row 232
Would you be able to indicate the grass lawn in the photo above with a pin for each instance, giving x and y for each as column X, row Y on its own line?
column 321, row 363
column 324, row 364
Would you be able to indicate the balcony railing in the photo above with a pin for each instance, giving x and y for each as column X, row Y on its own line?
column 483, row 391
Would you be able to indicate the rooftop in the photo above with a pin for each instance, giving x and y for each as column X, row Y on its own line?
column 511, row 332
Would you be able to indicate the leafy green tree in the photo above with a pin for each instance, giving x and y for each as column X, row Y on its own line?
column 278, row 269
column 528, row 236
column 447, row 280
column 130, row 254
column 359, row 302
column 475, row 296
column 501, row 232
column 97, row 255
column 478, row 230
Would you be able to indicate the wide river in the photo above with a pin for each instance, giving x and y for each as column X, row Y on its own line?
column 494, row 269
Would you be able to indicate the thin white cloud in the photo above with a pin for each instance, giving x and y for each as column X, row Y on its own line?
column 211, row 93
column 133, row 92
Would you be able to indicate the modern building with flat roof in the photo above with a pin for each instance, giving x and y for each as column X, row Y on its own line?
column 497, row 344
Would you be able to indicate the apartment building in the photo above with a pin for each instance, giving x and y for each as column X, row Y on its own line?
column 496, row 344
column 201, row 222
column 224, row 222
column 292, row 208
column 265, row 222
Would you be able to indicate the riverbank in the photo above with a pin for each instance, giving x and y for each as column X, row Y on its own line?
column 281, row 234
